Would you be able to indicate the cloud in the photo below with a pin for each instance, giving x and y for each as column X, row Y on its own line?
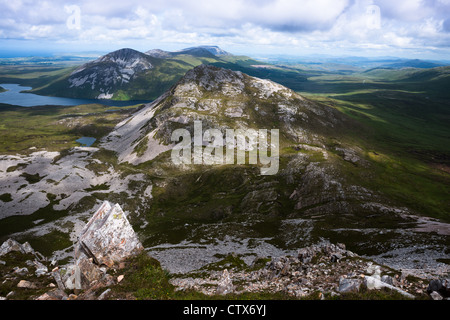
column 292, row 24
column 280, row 15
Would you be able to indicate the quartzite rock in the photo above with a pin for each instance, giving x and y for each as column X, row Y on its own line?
column 440, row 286
column 225, row 285
column 26, row 284
column 108, row 237
column 12, row 245
column 349, row 285
column 55, row 294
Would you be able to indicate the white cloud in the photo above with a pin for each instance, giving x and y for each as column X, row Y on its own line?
column 287, row 24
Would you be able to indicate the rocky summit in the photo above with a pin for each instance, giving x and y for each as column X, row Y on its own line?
column 109, row 72
column 221, row 99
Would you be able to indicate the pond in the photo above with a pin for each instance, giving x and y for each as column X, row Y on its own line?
column 86, row 141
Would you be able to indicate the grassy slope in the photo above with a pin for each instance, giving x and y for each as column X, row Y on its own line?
column 33, row 75
column 407, row 113
column 53, row 128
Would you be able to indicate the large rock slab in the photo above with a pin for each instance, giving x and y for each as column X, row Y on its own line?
column 108, row 237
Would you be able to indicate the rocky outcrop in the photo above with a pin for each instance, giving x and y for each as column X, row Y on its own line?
column 11, row 245
column 107, row 239
column 326, row 268
column 324, row 271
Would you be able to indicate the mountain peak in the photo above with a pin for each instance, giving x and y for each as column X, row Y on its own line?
column 199, row 51
column 214, row 50
column 158, row 53
column 230, row 83
column 221, row 98
column 122, row 55
column 108, row 72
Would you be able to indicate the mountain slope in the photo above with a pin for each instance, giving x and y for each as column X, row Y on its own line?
column 109, row 72
column 223, row 98
column 101, row 78
column 324, row 189
column 125, row 74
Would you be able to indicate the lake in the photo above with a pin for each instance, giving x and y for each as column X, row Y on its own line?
column 15, row 97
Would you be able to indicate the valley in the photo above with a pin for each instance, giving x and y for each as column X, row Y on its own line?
column 364, row 158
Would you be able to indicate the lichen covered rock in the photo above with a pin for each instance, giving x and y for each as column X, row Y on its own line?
column 108, row 237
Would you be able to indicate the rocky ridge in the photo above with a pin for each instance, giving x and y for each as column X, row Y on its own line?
column 205, row 51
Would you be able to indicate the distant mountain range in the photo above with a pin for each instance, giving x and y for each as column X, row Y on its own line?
column 127, row 74
column 200, row 51
column 416, row 63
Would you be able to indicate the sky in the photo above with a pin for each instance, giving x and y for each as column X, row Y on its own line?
column 402, row 28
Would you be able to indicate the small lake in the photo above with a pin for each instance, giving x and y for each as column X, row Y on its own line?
column 15, row 97
column 86, row 141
